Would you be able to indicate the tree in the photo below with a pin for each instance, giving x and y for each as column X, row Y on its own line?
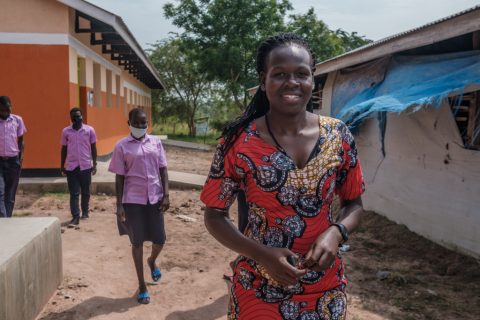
column 226, row 35
column 187, row 87
column 352, row 40
column 324, row 42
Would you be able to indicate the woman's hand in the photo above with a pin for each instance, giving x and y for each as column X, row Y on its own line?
column 120, row 213
column 165, row 205
column 274, row 260
column 323, row 251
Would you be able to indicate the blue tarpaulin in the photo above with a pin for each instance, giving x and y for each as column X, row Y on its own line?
column 413, row 81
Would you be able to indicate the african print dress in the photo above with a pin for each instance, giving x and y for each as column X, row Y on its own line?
column 288, row 207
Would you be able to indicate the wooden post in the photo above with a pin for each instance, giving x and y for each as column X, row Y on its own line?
column 476, row 40
column 474, row 121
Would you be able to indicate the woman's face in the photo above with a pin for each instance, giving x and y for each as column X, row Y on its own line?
column 288, row 79
column 139, row 121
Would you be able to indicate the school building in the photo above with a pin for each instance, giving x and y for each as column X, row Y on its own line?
column 60, row 54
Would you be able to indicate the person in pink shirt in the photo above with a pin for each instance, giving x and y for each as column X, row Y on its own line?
column 78, row 162
column 141, row 181
column 12, row 130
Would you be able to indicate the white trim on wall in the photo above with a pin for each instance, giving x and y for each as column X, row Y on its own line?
column 85, row 52
column 33, row 38
column 57, row 39
column 134, row 88
column 82, row 50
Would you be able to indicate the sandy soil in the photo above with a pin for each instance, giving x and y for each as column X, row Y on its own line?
column 181, row 159
column 421, row 280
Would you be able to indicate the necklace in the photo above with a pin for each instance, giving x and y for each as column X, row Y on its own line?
column 271, row 133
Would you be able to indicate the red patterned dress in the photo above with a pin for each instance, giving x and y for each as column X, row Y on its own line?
column 288, row 207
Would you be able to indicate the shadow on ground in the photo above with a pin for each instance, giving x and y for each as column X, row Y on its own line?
column 93, row 307
column 216, row 309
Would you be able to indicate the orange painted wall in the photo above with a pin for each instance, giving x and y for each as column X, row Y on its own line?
column 110, row 124
column 36, row 78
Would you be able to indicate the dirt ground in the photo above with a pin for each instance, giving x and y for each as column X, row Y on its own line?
column 392, row 273
column 182, row 160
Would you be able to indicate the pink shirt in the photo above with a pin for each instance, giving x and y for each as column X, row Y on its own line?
column 10, row 130
column 140, row 163
column 79, row 149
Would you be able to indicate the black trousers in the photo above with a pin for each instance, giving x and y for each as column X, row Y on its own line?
column 79, row 183
column 9, row 177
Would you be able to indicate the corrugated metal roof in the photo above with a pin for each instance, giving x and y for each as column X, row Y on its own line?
column 401, row 34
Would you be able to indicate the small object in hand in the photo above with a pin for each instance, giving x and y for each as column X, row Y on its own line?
column 345, row 248
column 292, row 260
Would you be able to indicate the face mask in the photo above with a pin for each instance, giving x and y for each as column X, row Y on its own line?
column 77, row 120
column 137, row 132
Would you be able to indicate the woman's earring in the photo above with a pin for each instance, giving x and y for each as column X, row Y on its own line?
column 262, row 87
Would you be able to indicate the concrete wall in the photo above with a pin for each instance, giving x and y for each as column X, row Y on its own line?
column 427, row 180
column 33, row 16
column 30, row 265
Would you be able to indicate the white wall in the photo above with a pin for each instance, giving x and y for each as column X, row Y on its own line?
column 414, row 186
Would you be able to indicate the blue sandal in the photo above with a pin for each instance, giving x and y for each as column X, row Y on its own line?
column 156, row 274
column 143, row 297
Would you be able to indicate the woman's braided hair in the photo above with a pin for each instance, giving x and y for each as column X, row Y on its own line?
column 259, row 104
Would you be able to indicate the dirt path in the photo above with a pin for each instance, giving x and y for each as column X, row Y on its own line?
column 191, row 161
column 420, row 279
column 99, row 276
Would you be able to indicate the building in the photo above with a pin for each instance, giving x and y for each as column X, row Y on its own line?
column 55, row 55
column 413, row 99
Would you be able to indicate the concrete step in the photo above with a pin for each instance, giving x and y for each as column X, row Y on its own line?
column 106, row 183
column 30, row 265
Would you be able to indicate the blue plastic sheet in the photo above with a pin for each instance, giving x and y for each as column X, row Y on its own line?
column 414, row 82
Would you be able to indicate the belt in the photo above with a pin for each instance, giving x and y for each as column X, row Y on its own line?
column 8, row 158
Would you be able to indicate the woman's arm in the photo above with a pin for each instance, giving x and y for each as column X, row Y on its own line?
column 273, row 259
column 323, row 251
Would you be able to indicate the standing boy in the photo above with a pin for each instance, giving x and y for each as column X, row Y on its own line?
column 12, row 130
column 79, row 150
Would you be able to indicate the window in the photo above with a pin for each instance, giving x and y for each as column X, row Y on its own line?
column 109, row 87
column 125, row 103
column 117, row 90
column 97, row 85
column 466, row 111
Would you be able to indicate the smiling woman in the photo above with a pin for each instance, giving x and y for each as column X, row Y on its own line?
column 290, row 163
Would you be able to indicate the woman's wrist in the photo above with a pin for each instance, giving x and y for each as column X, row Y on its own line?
column 257, row 251
column 336, row 233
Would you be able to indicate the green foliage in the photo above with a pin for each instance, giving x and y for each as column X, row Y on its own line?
column 226, row 35
column 352, row 40
column 323, row 41
column 209, row 66
column 187, row 87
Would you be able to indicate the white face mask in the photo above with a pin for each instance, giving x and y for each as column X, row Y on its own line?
column 137, row 132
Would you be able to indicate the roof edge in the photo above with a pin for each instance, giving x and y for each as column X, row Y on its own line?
column 118, row 24
column 465, row 21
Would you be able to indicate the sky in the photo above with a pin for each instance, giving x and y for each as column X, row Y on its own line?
column 375, row 19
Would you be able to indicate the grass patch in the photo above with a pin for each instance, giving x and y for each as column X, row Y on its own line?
column 22, row 213
column 56, row 195
column 180, row 132
column 209, row 139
